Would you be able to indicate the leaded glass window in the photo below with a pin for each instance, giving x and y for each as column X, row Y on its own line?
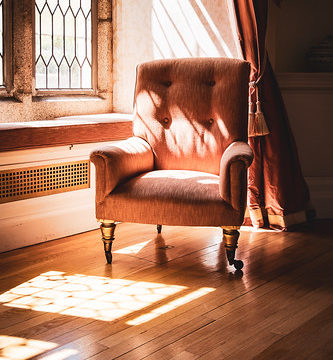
column 1, row 44
column 63, row 44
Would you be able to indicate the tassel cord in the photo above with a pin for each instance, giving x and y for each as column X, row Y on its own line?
column 256, row 122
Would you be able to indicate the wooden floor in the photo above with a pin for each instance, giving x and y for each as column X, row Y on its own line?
column 170, row 297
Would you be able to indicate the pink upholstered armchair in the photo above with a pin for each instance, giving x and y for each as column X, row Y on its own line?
column 187, row 161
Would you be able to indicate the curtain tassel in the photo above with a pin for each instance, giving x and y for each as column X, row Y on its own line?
column 257, row 124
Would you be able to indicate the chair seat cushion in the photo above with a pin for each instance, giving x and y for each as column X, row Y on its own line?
column 170, row 197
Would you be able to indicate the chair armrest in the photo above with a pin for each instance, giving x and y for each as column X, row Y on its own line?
column 233, row 174
column 120, row 161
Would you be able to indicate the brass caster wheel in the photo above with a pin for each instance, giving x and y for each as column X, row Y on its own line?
column 238, row 264
column 108, row 256
column 230, row 238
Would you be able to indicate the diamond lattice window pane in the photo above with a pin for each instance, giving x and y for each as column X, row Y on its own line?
column 40, row 74
column 37, row 35
column 63, row 44
column 75, row 5
column 80, row 37
column 46, row 47
column 46, row 35
column 64, row 5
column 46, row 21
column 69, row 37
column 64, row 75
column 89, row 38
column 39, row 4
column 52, row 74
column 86, row 74
column 52, row 4
column 75, row 75
column 86, row 6
column 58, row 35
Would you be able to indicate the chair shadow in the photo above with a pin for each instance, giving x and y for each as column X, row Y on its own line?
column 160, row 249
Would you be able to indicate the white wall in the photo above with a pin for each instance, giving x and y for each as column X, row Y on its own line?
column 309, row 101
column 153, row 29
column 31, row 221
column 293, row 29
column 301, row 24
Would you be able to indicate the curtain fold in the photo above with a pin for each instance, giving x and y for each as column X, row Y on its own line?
column 277, row 193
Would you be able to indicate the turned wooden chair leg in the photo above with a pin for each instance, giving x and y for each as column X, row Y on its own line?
column 108, row 227
column 230, row 239
column 159, row 229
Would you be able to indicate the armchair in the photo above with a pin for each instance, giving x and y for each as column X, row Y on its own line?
column 187, row 161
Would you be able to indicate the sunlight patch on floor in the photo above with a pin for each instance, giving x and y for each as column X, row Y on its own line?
column 132, row 249
column 95, row 297
column 256, row 229
column 17, row 348
column 170, row 306
column 61, row 355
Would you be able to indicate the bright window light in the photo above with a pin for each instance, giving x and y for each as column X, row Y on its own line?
column 180, row 31
column 214, row 28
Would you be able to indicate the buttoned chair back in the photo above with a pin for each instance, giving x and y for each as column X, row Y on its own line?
column 191, row 110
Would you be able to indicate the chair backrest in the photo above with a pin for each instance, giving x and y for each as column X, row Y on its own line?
column 190, row 110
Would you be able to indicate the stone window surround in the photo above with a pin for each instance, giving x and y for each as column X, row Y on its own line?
column 18, row 102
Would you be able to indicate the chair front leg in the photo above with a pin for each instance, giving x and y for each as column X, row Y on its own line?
column 230, row 240
column 107, row 228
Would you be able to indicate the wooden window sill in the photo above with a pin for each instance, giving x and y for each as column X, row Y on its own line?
column 65, row 131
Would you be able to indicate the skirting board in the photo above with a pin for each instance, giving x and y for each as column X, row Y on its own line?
column 58, row 216
column 36, row 220
column 31, row 221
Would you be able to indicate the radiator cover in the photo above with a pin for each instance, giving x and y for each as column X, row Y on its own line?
column 25, row 183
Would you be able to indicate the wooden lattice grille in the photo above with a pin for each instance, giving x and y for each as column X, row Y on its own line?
column 24, row 183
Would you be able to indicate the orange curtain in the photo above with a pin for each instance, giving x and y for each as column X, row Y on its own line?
column 277, row 193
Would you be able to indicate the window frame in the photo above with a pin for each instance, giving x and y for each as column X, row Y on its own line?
column 94, row 61
column 7, row 48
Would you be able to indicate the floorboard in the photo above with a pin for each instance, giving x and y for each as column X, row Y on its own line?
column 170, row 296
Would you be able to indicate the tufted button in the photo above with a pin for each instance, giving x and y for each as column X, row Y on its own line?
column 211, row 121
column 165, row 120
column 211, row 83
column 168, row 83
